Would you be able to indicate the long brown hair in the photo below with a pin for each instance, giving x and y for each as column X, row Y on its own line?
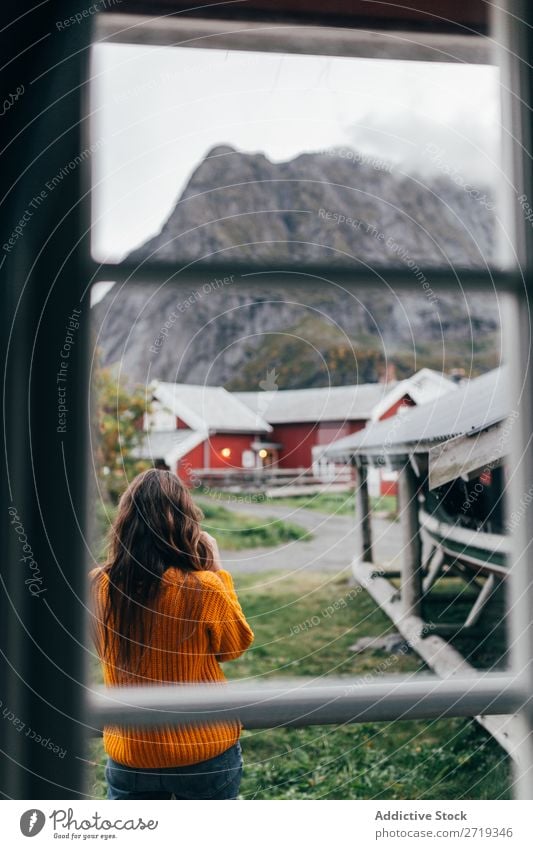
column 157, row 526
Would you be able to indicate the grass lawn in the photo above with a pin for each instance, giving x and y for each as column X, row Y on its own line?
column 485, row 647
column 233, row 531
column 341, row 503
column 304, row 625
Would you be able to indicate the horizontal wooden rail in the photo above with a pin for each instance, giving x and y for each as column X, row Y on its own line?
column 265, row 273
column 318, row 37
column 301, row 702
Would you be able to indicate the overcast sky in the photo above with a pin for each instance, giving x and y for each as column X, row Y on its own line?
column 158, row 110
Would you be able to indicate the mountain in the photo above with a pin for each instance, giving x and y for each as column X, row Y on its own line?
column 334, row 208
column 240, row 206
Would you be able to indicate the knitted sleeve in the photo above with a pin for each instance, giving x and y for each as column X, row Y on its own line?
column 229, row 632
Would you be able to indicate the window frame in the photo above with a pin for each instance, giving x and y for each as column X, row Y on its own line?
column 270, row 704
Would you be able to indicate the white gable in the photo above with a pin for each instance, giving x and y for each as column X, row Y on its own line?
column 424, row 386
column 209, row 408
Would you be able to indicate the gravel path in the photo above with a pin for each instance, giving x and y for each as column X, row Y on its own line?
column 331, row 549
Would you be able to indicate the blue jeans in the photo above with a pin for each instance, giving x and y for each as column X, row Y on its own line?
column 216, row 778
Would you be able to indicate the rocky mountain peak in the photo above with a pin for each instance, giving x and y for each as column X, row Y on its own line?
column 335, row 207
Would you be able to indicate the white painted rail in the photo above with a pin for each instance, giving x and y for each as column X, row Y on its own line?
column 301, row 702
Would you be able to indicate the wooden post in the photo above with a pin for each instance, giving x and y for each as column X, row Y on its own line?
column 411, row 580
column 362, row 513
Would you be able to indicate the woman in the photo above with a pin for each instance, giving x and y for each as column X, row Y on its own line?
column 166, row 612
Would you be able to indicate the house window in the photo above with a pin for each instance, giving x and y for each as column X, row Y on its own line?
column 318, row 233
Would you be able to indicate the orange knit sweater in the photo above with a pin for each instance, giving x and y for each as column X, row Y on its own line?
column 180, row 651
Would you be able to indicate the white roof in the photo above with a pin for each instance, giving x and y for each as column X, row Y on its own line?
column 209, row 408
column 329, row 403
column 212, row 408
column 477, row 405
column 426, row 385
column 169, row 446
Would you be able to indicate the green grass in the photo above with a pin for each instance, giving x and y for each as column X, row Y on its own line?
column 233, row 530
column 450, row 759
column 340, row 503
column 387, row 504
column 304, row 625
column 484, row 647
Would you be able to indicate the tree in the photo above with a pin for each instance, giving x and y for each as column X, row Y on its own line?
column 119, row 413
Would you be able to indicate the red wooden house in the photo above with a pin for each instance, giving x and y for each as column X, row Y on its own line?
column 302, row 419
column 195, row 430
